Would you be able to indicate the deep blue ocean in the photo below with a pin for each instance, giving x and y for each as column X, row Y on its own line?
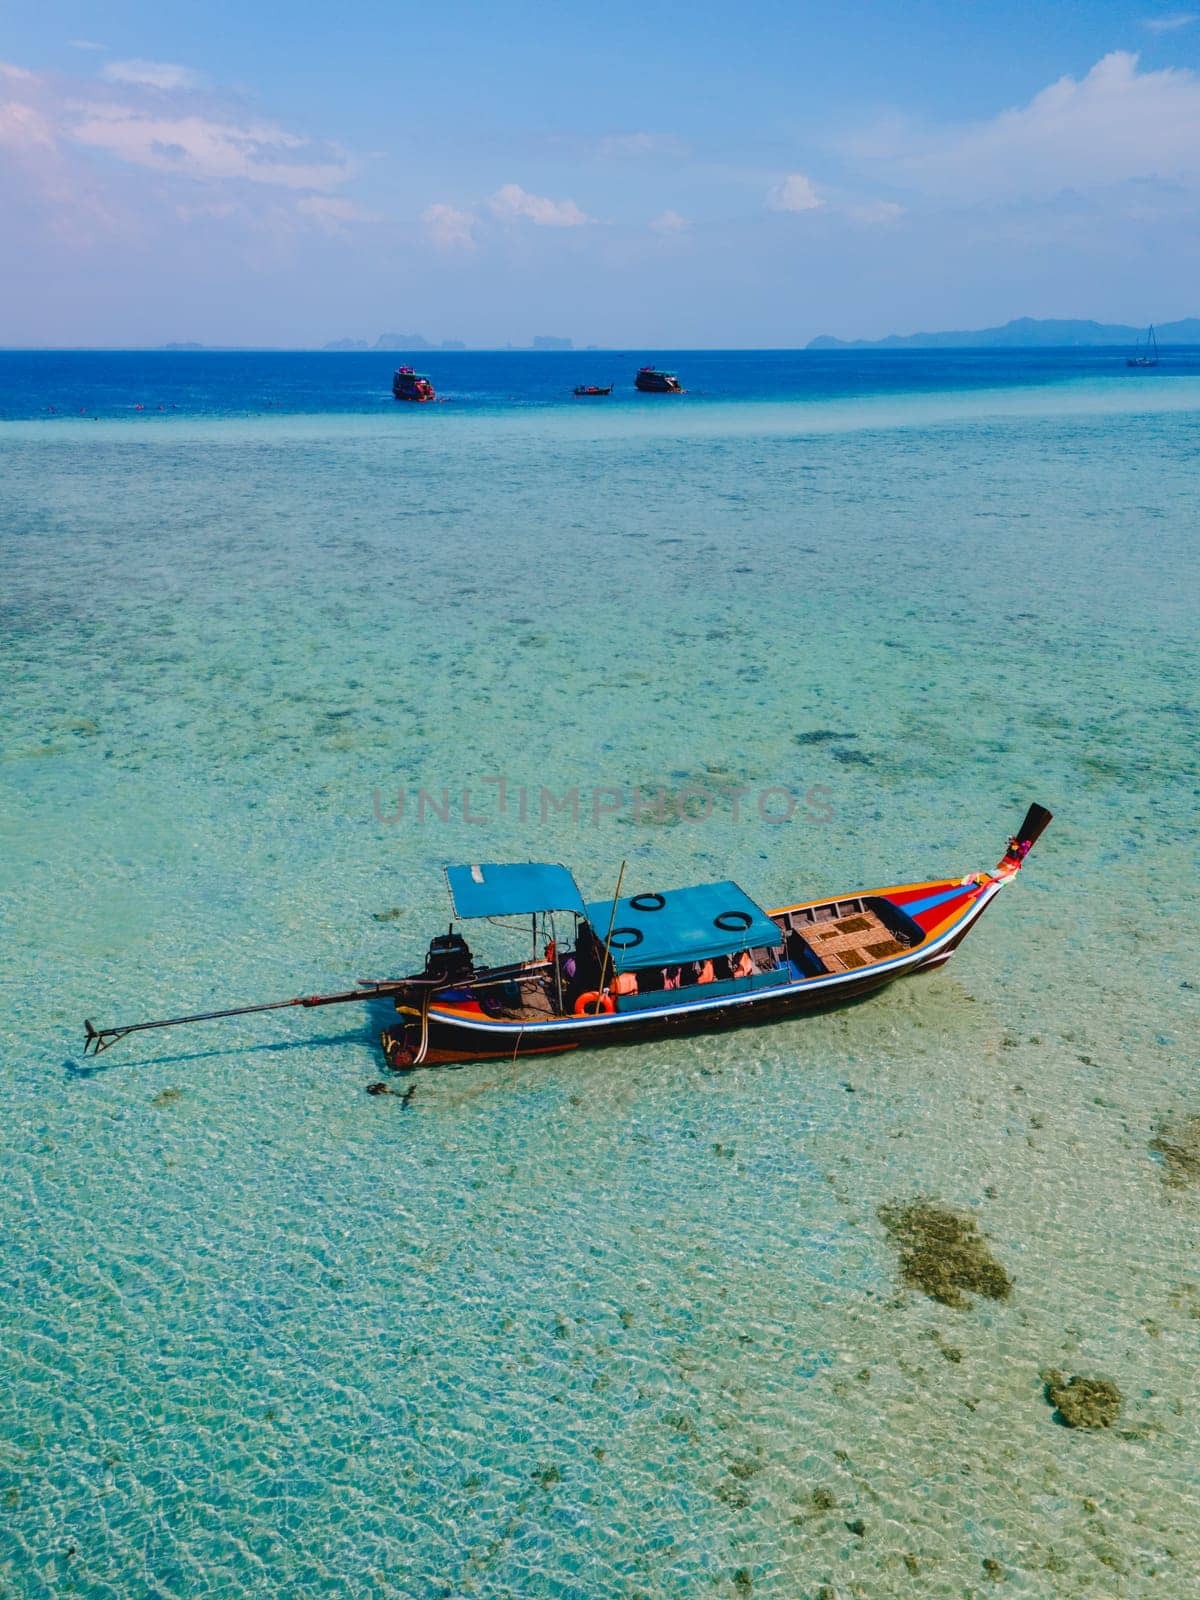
column 624, row 1324
column 237, row 383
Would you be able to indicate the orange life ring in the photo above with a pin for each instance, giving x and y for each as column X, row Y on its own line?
column 598, row 1002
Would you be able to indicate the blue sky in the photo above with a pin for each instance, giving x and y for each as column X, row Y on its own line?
column 649, row 175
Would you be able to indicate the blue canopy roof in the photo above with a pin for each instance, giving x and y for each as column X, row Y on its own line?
column 514, row 889
column 697, row 924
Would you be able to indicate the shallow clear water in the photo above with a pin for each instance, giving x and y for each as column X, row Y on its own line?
column 599, row 1326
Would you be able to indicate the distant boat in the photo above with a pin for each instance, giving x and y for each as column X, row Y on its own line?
column 592, row 388
column 651, row 381
column 410, row 385
column 1145, row 355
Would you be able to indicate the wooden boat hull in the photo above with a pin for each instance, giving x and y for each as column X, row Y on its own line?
column 412, row 386
column 649, row 380
column 749, row 966
column 944, row 913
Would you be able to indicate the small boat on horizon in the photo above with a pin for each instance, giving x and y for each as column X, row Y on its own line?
column 592, row 388
column 690, row 960
column 652, row 380
column 410, row 385
column 1145, row 355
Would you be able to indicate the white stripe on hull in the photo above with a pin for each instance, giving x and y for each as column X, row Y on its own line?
column 922, row 958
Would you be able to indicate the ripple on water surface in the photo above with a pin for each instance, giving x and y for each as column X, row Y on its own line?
column 631, row 1323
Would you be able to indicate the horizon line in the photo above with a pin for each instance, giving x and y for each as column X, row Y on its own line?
column 842, row 347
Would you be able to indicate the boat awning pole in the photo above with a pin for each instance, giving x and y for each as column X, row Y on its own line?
column 612, row 917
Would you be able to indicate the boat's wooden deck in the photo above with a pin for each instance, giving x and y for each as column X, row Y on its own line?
column 853, row 941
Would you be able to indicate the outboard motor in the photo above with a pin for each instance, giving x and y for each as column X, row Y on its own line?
column 448, row 962
column 449, row 959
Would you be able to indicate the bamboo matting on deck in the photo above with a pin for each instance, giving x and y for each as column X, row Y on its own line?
column 853, row 942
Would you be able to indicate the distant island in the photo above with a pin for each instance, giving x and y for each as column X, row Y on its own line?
column 393, row 342
column 417, row 342
column 1021, row 333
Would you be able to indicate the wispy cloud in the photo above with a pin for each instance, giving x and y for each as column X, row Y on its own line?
column 23, row 127
column 208, row 211
column 193, row 146
column 447, row 228
column 46, row 190
column 875, row 213
column 512, row 202
column 86, row 44
column 257, row 178
column 334, row 212
column 165, row 75
column 670, row 222
column 623, row 146
column 1171, row 21
column 795, row 193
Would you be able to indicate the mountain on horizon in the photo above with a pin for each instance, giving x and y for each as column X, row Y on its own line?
column 402, row 341
column 395, row 342
column 385, row 341
column 1021, row 333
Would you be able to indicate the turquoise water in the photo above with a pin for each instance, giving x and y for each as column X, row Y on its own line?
column 603, row 1325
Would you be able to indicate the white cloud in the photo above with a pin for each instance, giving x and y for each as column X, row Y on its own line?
column 795, row 193
column 1116, row 125
column 511, row 202
column 197, row 147
column 670, row 222
column 619, row 146
column 165, row 75
column 449, row 228
column 876, row 212
column 57, row 198
column 23, row 127
column 86, row 44
column 165, row 167
column 1170, row 21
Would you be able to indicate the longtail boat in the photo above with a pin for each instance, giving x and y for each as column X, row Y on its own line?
column 592, row 389
column 652, row 380
column 686, row 960
column 410, row 385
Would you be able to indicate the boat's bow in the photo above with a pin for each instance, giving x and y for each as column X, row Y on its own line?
column 944, row 912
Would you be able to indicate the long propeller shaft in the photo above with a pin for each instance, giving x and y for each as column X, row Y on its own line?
column 98, row 1039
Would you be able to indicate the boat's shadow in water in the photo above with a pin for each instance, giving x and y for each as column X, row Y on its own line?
column 79, row 1071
